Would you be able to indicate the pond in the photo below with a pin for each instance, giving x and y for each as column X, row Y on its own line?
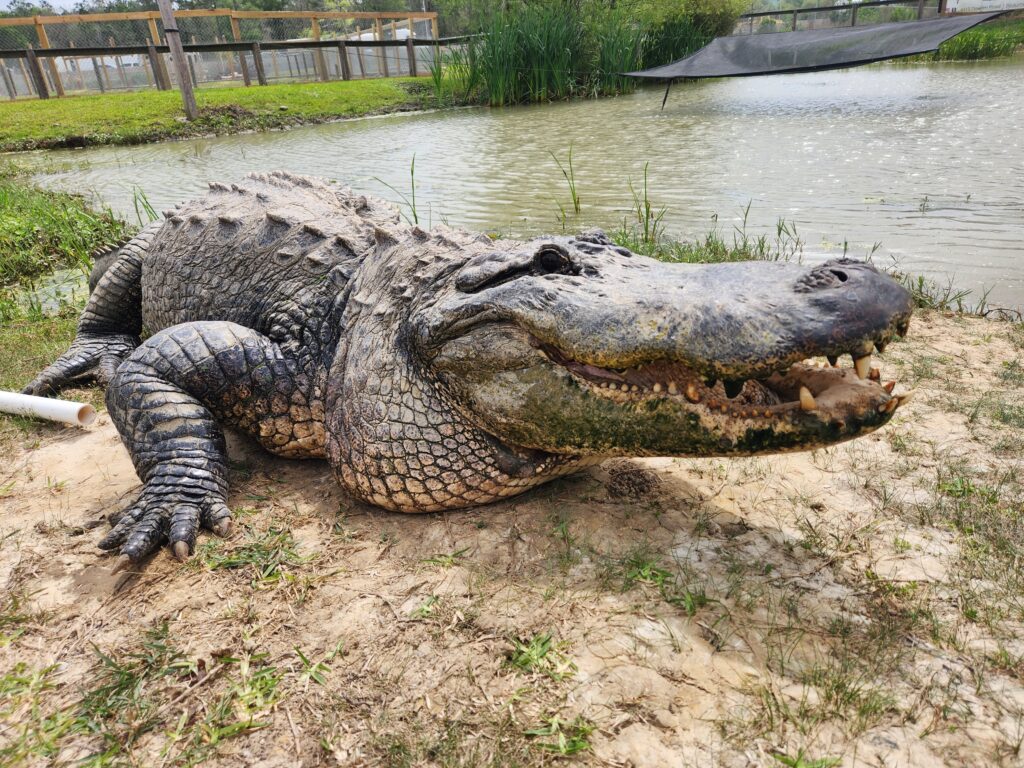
column 921, row 164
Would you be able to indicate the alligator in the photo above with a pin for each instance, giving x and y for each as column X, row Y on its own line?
column 442, row 369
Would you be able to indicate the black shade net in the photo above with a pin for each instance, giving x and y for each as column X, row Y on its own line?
column 815, row 49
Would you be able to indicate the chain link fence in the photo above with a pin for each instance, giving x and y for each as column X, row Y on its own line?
column 103, row 68
column 842, row 15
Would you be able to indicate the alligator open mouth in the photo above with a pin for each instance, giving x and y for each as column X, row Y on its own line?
column 822, row 387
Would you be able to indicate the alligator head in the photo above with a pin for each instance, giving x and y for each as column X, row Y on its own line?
column 564, row 350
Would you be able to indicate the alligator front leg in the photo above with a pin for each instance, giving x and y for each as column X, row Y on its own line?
column 168, row 400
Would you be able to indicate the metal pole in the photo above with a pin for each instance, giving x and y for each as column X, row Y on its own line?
column 794, row 20
column 178, row 57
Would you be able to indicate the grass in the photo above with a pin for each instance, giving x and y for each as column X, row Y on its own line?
column 43, row 231
column 268, row 556
column 538, row 52
column 542, row 655
column 994, row 39
column 136, row 695
column 145, row 116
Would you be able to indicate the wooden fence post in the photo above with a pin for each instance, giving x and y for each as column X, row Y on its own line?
column 410, row 48
column 99, row 75
column 257, row 60
column 236, row 32
column 920, row 9
column 12, row 92
column 346, row 70
column 173, row 36
column 362, row 65
column 398, row 55
column 159, row 74
column 433, row 26
column 37, row 74
column 44, row 42
column 318, row 55
column 154, row 31
column 795, row 13
column 379, row 30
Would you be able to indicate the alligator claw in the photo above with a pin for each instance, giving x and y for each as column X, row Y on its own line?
column 153, row 520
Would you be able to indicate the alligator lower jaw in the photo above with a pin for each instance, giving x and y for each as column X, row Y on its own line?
column 820, row 388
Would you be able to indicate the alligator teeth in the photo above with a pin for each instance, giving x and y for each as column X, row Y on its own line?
column 807, row 400
column 672, row 388
column 634, row 388
column 613, row 386
column 656, row 387
column 863, row 366
column 888, row 386
column 691, row 392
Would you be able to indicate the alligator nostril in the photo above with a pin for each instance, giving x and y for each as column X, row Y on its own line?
column 843, row 277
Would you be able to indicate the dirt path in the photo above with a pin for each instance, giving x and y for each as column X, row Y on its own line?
column 863, row 603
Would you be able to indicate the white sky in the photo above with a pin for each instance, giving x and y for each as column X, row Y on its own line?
column 60, row 5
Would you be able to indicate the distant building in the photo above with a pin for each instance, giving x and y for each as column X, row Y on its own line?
column 971, row 6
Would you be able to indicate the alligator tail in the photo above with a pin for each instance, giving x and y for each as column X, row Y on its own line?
column 110, row 326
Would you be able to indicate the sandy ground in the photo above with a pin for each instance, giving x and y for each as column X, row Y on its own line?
column 855, row 606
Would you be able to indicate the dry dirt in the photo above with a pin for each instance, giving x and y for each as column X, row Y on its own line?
column 855, row 606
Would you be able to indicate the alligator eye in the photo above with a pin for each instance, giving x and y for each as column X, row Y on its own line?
column 552, row 258
column 843, row 277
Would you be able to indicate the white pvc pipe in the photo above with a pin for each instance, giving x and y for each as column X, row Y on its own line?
column 76, row 414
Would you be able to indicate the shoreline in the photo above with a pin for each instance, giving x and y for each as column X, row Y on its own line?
column 226, row 111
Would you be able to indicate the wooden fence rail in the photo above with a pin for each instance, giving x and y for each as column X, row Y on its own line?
column 32, row 59
column 152, row 18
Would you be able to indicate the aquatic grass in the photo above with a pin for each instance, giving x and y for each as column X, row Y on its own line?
column 674, row 38
column 41, row 231
column 618, row 46
column 570, row 178
column 555, row 50
column 992, row 40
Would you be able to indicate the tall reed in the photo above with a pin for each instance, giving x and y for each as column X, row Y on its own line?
column 988, row 41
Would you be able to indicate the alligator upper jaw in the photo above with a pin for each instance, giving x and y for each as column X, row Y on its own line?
column 822, row 389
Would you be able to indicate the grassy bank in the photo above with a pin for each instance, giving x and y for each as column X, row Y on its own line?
column 145, row 116
column 41, row 231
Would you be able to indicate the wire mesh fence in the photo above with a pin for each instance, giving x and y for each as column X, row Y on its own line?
column 113, row 60
column 841, row 15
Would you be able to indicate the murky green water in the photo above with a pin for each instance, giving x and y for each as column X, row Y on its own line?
column 927, row 160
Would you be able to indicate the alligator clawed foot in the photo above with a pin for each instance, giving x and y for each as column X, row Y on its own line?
column 90, row 356
column 154, row 519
